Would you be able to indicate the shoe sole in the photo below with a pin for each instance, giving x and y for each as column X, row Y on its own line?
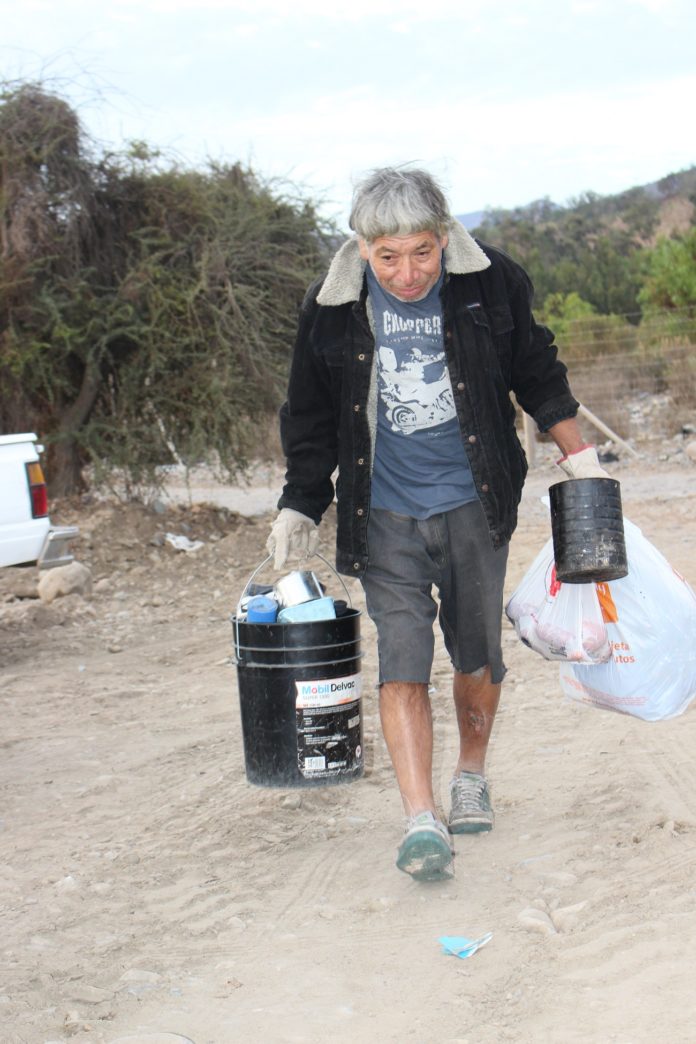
column 426, row 856
column 468, row 826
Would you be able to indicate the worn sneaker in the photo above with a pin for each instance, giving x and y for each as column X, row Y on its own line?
column 426, row 851
column 471, row 804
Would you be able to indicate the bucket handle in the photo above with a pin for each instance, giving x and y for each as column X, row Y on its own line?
column 316, row 555
column 260, row 567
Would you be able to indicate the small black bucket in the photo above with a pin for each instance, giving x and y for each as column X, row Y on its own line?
column 300, row 700
column 588, row 531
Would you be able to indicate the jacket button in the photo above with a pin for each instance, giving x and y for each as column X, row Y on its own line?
column 361, row 357
column 356, row 565
column 448, row 335
column 361, row 460
column 360, row 512
column 472, row 438
column 356, row 408
column 485, row 487
column 461, row 386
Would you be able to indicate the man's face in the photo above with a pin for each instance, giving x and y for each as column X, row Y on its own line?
column 406, row 266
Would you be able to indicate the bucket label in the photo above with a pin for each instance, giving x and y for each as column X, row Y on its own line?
column 328, row 692
column 329, row 727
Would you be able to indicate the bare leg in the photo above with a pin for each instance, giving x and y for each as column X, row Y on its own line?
column 476, row 702
column 407, row 725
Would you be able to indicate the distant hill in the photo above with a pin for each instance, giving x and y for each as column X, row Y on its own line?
column 661, row 208
column 471, row 220
column 594, row 245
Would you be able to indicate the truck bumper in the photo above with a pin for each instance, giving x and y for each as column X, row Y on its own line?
column 55, row 548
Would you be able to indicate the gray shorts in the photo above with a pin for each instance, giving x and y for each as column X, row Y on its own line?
column 452, row 552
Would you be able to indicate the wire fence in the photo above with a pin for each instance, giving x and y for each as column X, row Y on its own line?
column 639, row 395
column 636, row 373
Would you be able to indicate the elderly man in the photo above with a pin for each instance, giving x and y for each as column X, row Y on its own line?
column 405, row 358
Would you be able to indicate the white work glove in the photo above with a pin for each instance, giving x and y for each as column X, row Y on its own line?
column 292, row 532
column 582, row 464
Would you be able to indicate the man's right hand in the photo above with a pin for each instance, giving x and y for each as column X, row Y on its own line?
column 292, row 532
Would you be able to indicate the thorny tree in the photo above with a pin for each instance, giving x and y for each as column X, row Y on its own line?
column 146, row 311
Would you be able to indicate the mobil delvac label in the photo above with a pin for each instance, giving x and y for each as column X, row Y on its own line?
column 329, row 726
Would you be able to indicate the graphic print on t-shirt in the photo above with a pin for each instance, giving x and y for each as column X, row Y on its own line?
column 415, row 388
column 420, row 465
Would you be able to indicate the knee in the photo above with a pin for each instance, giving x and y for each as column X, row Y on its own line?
column 403, row 692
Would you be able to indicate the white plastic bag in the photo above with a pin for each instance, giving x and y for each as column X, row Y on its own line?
column 650, row 617
column 559, row 621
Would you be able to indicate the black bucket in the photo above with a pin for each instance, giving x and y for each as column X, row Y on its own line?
column 300, row 700
column 588, row 531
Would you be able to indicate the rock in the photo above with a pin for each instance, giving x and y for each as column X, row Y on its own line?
column 23, row 584
column 73, row 1024
column 536, row 921
column 565, row 918
column 293, row 801
column 64, row 580
column 376, row 906
column 140, row 975
column 83, row 993
column 690, row 450
column 539, row 904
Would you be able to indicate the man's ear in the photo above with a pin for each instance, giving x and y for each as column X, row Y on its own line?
column 364, row 248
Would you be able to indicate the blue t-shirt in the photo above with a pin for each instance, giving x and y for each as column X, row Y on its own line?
column 420, row 464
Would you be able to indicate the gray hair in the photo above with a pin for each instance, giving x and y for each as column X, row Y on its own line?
column 394, row 201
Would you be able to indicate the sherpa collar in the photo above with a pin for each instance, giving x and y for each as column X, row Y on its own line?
column 344, row 279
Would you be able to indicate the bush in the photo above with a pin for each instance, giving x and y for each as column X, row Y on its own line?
column 146, row 311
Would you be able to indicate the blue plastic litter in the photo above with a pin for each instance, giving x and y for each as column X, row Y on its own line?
column 460, row 946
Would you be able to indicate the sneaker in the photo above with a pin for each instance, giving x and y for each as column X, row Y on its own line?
column 426, row 851
column 471, row 804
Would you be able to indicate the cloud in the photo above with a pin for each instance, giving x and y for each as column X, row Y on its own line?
column 502, row 152
column 573, row 96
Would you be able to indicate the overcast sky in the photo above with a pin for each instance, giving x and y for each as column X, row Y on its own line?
column 505, row 101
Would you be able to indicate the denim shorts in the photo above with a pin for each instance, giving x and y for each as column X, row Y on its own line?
column 451, row 552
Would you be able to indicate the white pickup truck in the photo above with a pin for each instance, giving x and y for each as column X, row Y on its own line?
column 26, row 533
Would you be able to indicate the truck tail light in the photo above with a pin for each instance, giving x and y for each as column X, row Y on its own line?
column 37, row 490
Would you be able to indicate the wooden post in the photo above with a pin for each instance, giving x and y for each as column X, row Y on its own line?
column 529, row 438
column 606, row 429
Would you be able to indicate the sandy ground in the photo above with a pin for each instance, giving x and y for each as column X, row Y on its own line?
column 150, row 894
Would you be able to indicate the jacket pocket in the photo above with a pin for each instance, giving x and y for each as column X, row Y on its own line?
column 495, row 325
column 331, row 360
column 332, row 354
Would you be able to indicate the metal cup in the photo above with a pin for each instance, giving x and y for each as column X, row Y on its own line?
column 297, row 587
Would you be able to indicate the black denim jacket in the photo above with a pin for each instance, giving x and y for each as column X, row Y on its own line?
column 493, row 347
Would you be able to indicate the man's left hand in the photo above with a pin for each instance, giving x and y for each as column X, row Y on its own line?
column 582, row 464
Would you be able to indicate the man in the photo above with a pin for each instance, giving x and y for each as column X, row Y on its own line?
column 405, row 357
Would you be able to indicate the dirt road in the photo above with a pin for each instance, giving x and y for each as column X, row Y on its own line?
column 147, row 889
